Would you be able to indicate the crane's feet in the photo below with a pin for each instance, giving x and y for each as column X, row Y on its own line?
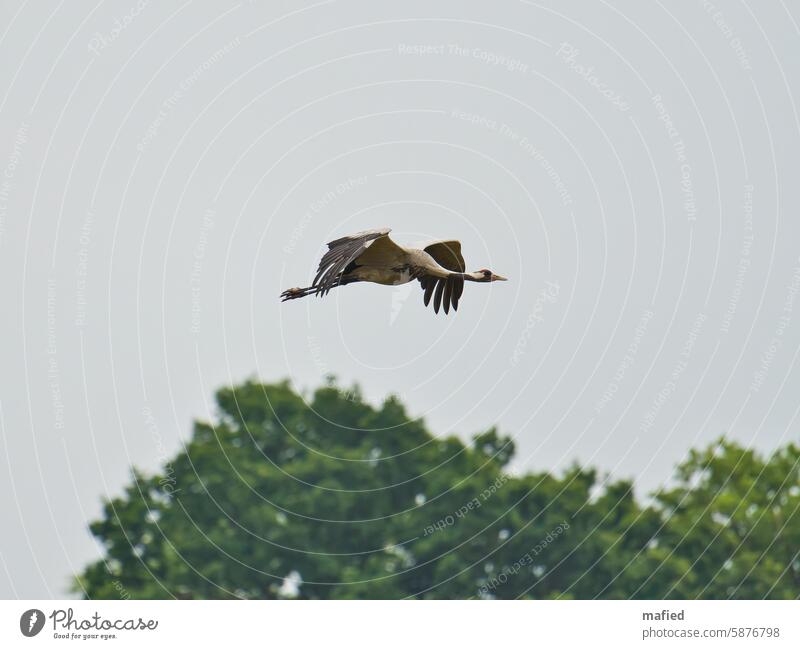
column 294, row 293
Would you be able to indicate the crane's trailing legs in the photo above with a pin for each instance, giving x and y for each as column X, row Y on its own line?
column 294, row 293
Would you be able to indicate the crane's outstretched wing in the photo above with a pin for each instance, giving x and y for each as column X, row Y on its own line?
column 444, row 291
column 345, row 250
column 447, row 254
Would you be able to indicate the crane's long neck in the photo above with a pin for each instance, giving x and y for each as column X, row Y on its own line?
column 443, row 273
column 469, row 277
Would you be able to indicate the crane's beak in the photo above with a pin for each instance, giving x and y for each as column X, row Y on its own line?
column 499, row 278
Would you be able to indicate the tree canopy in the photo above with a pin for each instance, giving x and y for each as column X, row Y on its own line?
column 332, row 498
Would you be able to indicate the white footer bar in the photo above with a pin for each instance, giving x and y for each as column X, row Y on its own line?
column 401, row 624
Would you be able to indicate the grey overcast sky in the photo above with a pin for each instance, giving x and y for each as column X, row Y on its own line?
column 167, row 169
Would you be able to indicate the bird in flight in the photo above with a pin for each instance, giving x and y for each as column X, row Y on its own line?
column 371, row 256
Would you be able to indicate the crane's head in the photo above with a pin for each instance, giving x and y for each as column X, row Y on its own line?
column 485, row 275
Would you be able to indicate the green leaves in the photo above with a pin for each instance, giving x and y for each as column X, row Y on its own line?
column 737, row 516
column 328, row 497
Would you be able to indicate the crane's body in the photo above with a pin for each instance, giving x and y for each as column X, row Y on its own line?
column 403, row 267
column 371, row 256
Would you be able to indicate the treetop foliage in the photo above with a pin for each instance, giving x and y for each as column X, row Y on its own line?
column 332, row 498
